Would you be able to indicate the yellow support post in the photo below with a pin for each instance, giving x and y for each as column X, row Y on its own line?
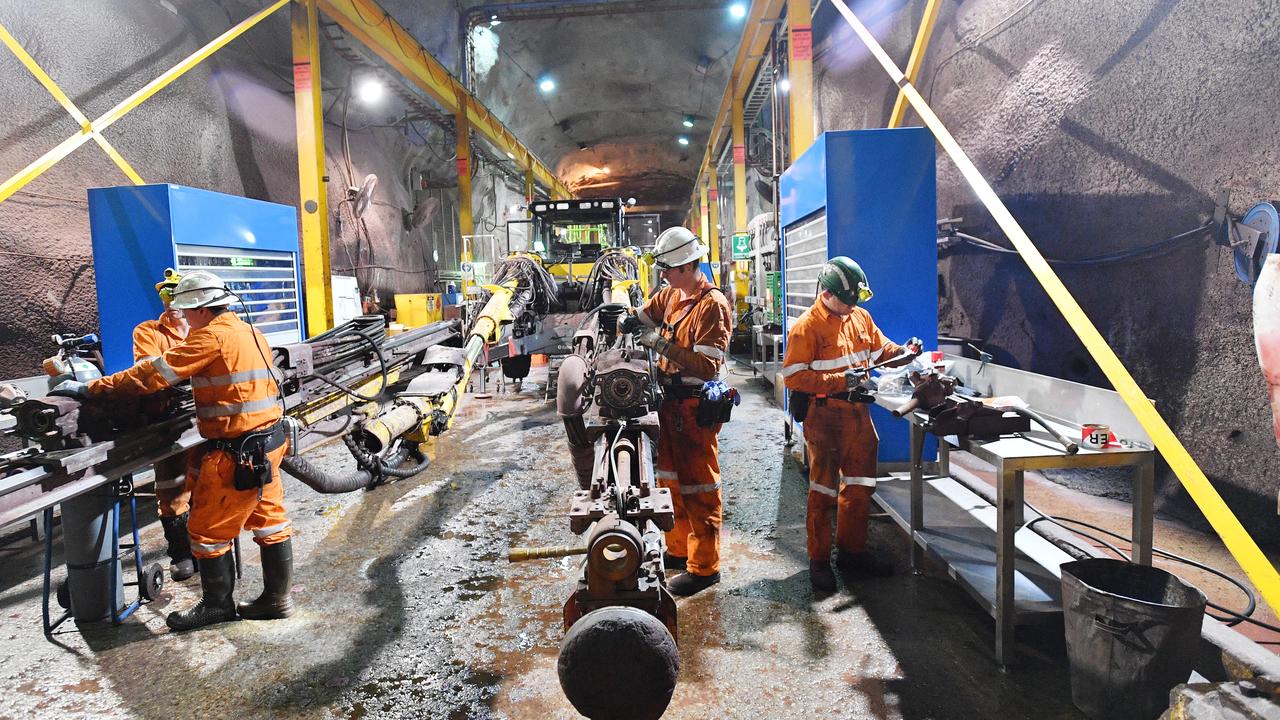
column 43, row 78
column 313, row 197
column 713, row 218
column 916, row 60
column 739, row 166
column 466, row 226
column 1242, row 547
column 66, row 147
column 702, row 212
column 528, row 186
column 800, row 74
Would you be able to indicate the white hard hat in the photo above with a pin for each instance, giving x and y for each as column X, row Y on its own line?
column 677, row 246
column 198, row 289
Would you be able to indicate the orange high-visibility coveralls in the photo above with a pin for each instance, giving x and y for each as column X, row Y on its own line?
column 838, row 434
column 235, row 393
column 151, row 339
column 698, row 326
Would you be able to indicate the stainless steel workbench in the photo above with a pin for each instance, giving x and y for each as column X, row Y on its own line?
column 1012, row 456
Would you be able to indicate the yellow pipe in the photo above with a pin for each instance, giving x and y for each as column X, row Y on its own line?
column 702, row 211
column 800, row 74
column 366, row 20
column 1237, row 539
column 916, row 60
column 66, row 147
column 48, row 83
column 312, row 195
column 713, row 222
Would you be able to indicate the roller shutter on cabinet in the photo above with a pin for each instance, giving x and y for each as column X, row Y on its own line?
column 804, row 251
column 265, row 280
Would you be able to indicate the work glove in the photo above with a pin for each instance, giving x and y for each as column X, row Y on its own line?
column 73, row 389
column 854, row 377
column 915, row 345
column 652, row 340
column 630, row 324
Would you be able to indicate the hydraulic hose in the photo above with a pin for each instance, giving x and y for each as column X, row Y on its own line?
column 322, row 481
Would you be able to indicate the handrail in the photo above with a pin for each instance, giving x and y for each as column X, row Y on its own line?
column 1237, row 539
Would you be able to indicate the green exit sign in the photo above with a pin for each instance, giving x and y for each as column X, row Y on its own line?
column 741, row 246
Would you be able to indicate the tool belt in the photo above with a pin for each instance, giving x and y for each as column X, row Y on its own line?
column 249, row 453
column 798, row 402
column 710, row 413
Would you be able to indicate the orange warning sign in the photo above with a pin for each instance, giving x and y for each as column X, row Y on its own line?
column 802, row 42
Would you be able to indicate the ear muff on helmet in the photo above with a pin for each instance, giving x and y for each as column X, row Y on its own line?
column 165, row 287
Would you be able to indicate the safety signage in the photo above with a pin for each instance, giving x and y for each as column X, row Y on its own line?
column 741, row 246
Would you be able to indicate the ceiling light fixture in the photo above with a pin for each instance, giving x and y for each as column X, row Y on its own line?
column 784, row 86
column 547, row 85
column 737, row 11
column 688, row 121
column 605, row 169
column 370, row 90
column 683, row 140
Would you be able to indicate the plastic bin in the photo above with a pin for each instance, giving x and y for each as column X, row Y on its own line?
column 1132, row 632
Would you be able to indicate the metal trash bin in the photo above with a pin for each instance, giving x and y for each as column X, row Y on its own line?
column 1132, row 632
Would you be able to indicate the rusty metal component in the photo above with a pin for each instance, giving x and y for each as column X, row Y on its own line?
column 931, row 390
column 619, row 663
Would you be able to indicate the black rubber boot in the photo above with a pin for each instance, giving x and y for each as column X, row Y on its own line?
column 181, row 564
column 673, row 562
column 863, row 563
column 217, row 582
column 686, row 583
column 277, row 577
column 821, row 577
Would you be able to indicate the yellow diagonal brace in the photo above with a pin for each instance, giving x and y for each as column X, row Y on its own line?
column 66, row 147
column 916, row 59
column 25, row 58
column 1233, row 534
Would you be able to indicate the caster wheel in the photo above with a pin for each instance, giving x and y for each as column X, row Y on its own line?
column 63, row 595
column 151, row 582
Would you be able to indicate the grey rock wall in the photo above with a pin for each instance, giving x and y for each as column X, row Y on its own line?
column 1104, row 126
column 227, row 125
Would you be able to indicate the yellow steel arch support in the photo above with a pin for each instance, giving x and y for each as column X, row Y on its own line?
column 366, row 20
column 1237, row 539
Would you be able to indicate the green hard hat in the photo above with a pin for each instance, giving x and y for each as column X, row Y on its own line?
column 845, row 279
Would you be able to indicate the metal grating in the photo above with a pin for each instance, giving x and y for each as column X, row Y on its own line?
column 265, row 280
column 804, row 252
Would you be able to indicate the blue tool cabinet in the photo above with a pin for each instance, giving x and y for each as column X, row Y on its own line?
column 138, row 231
column 870, row 195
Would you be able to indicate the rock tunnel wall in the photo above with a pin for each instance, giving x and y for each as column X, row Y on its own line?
column 1104, row 126
column 227, row 125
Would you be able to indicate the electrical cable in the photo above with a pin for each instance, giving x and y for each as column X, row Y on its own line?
column 1145, row 252
column 382, row 363
column 1237, row 617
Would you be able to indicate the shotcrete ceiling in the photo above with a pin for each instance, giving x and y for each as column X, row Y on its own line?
column 625, row 81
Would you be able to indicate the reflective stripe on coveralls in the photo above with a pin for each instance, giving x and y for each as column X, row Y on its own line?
column 688, row 460
column 839, row 436
column 225, row 348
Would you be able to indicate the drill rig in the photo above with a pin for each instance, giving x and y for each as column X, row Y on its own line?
column 619, row 656
column 383, row 395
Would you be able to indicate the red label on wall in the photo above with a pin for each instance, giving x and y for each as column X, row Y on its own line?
column 463, row 167
column 802, row 42
column 302, row 76
column 713, row 195
column 739, row 153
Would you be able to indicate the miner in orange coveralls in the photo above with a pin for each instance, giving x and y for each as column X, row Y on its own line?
column 173, row 498
column 238, row 483
column 828, row 350
column 688, row 325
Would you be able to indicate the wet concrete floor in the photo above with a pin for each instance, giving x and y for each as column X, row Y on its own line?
column 407, row 607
